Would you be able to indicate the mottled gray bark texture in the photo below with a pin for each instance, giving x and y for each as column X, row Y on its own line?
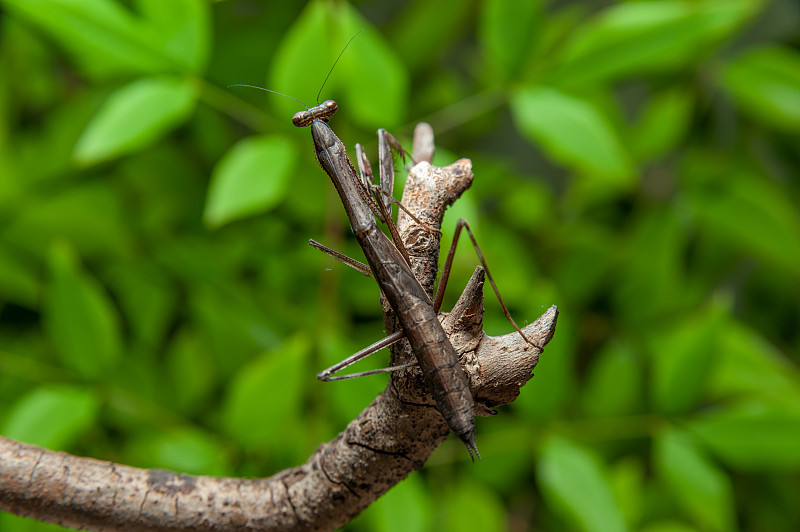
column 391, row 438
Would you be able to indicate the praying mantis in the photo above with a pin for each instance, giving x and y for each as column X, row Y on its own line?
column 389, row 264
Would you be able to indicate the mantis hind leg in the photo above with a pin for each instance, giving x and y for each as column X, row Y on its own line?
column 437, row 302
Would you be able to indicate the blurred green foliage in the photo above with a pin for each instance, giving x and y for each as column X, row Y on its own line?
column 636, row 164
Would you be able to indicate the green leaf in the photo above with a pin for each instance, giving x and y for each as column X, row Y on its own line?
column 627, row 477
column 748, row 211
column 639, row 37
column 668, row 526
column 182, row 449
column 134, row 116
column 147, row 299
column 56, row 137
column 701, row 488
column 183, row 27
column 303, row 58
column 573, row 132
column 507, row 30
column 391, row 512
column 18, row 279
column 79, row 317
column 89, row 215
column 614, row 386
column 228, row 335
column 380, row 97
column 751, row 365
column 765, row 82
column 663, row 125
column 508, row 445
column 190, row 372
column 251, row 178
column 25, row 524
column 265, row 399
column 683, row 356
column 526, row 207
column 52, row 416
column 586, row 257
column 752, row 436
column 575, row 485
column 311, row 48
column 169, row 201
column 108, row 40
column 472, row 506
column 424, row 31
column 650, row 267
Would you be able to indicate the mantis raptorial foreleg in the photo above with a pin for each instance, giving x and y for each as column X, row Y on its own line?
column 384, row 192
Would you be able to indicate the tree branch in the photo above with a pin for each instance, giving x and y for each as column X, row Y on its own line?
column 392, row 437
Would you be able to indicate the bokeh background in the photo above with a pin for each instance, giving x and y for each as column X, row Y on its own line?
column 636, row 164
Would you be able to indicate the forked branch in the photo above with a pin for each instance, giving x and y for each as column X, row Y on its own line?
column 391, row 438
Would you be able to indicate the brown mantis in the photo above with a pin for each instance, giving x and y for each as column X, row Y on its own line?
column 390, row 265
column 391, row 269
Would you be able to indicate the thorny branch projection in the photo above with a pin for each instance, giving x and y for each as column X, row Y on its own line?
column 392, row 437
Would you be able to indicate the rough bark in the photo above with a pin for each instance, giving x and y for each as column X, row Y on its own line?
column 392, row 437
